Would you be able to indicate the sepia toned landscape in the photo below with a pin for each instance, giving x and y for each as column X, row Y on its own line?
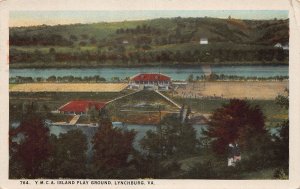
column 68, row 87
column 174, row 97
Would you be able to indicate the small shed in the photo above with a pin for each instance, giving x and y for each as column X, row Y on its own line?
column 203, row 41
column 278, row 45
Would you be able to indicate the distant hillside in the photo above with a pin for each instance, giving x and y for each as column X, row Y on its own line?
column 147, row 42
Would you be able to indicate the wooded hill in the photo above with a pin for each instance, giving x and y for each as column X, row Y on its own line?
column 165, row 41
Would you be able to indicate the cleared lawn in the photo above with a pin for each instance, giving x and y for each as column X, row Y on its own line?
column 68, row 87
column 263, row 90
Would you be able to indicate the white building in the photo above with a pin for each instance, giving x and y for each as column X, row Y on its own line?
column 203, row 41
column 278, row 45
column 152, row 81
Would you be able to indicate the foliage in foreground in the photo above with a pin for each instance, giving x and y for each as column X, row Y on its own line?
column 67, row 156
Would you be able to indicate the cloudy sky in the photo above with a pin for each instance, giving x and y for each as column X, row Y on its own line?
column 28, row 18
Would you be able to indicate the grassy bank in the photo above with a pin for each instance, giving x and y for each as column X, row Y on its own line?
column 274, row 114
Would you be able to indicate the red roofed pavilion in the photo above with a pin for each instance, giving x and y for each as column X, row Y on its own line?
column 80, row 107
column 150, row 81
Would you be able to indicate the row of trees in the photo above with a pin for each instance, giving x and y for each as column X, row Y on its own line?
column 144, row 29
column 68, row 79
column 99, row 79
column 222, row 77
column 38, row 39
column 144, row 56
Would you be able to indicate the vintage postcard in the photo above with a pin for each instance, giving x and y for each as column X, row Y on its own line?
column 149, row 94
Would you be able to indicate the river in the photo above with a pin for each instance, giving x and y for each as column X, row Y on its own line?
column 141, row 131
column 174, row 72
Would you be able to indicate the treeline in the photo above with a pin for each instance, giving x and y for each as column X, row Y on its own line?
column 62, row 79
column 41, row 155
column 39, row 40
column 222, row 77
column 122, row 56
column 99, row 79
column 144, row 29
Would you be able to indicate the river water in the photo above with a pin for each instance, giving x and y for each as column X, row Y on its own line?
column 141, row 131
column 174, row 72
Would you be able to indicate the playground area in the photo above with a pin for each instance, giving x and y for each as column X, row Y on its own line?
column 262, row 90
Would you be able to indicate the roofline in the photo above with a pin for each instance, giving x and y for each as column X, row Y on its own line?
column 148, row 73
column 105, row 103
column 64, row 105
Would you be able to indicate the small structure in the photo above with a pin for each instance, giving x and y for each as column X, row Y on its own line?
column 151, row 81
column 234, row 154
column 285, row 47
column 203, row 41
column 278, row 45
column 125, row 42
column 281, row 46
column 80, row 107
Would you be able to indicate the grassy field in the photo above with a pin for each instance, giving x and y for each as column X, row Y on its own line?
column 140, row 108
column 263, row 90
column 68, row 87
column 274, row 114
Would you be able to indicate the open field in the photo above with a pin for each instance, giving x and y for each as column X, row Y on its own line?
column 263, row 90
column 68, row 87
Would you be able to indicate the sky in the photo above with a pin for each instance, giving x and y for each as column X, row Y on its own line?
column 29, row 18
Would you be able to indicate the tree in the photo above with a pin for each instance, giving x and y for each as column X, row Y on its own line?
column 111, row 147
column 281, row 141
column 236, row 122
column 32, row 147
column 190, row 78
column 283, row 100
column 93, row 114
column 69, row 157
column 173, row 137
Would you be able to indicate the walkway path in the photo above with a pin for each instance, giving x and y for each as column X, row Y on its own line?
column 168, row 99
column 74, row 120
column 149, row 111
column 122, row 97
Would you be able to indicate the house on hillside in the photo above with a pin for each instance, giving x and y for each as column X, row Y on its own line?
column 125, row 41
column 150, row 81
column 285, row 47
column 81, row 107
column 282, row 46
column 278, row 45
column 203, row 41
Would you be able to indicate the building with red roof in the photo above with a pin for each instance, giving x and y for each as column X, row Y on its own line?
column 150, row 81
column 80, row 107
